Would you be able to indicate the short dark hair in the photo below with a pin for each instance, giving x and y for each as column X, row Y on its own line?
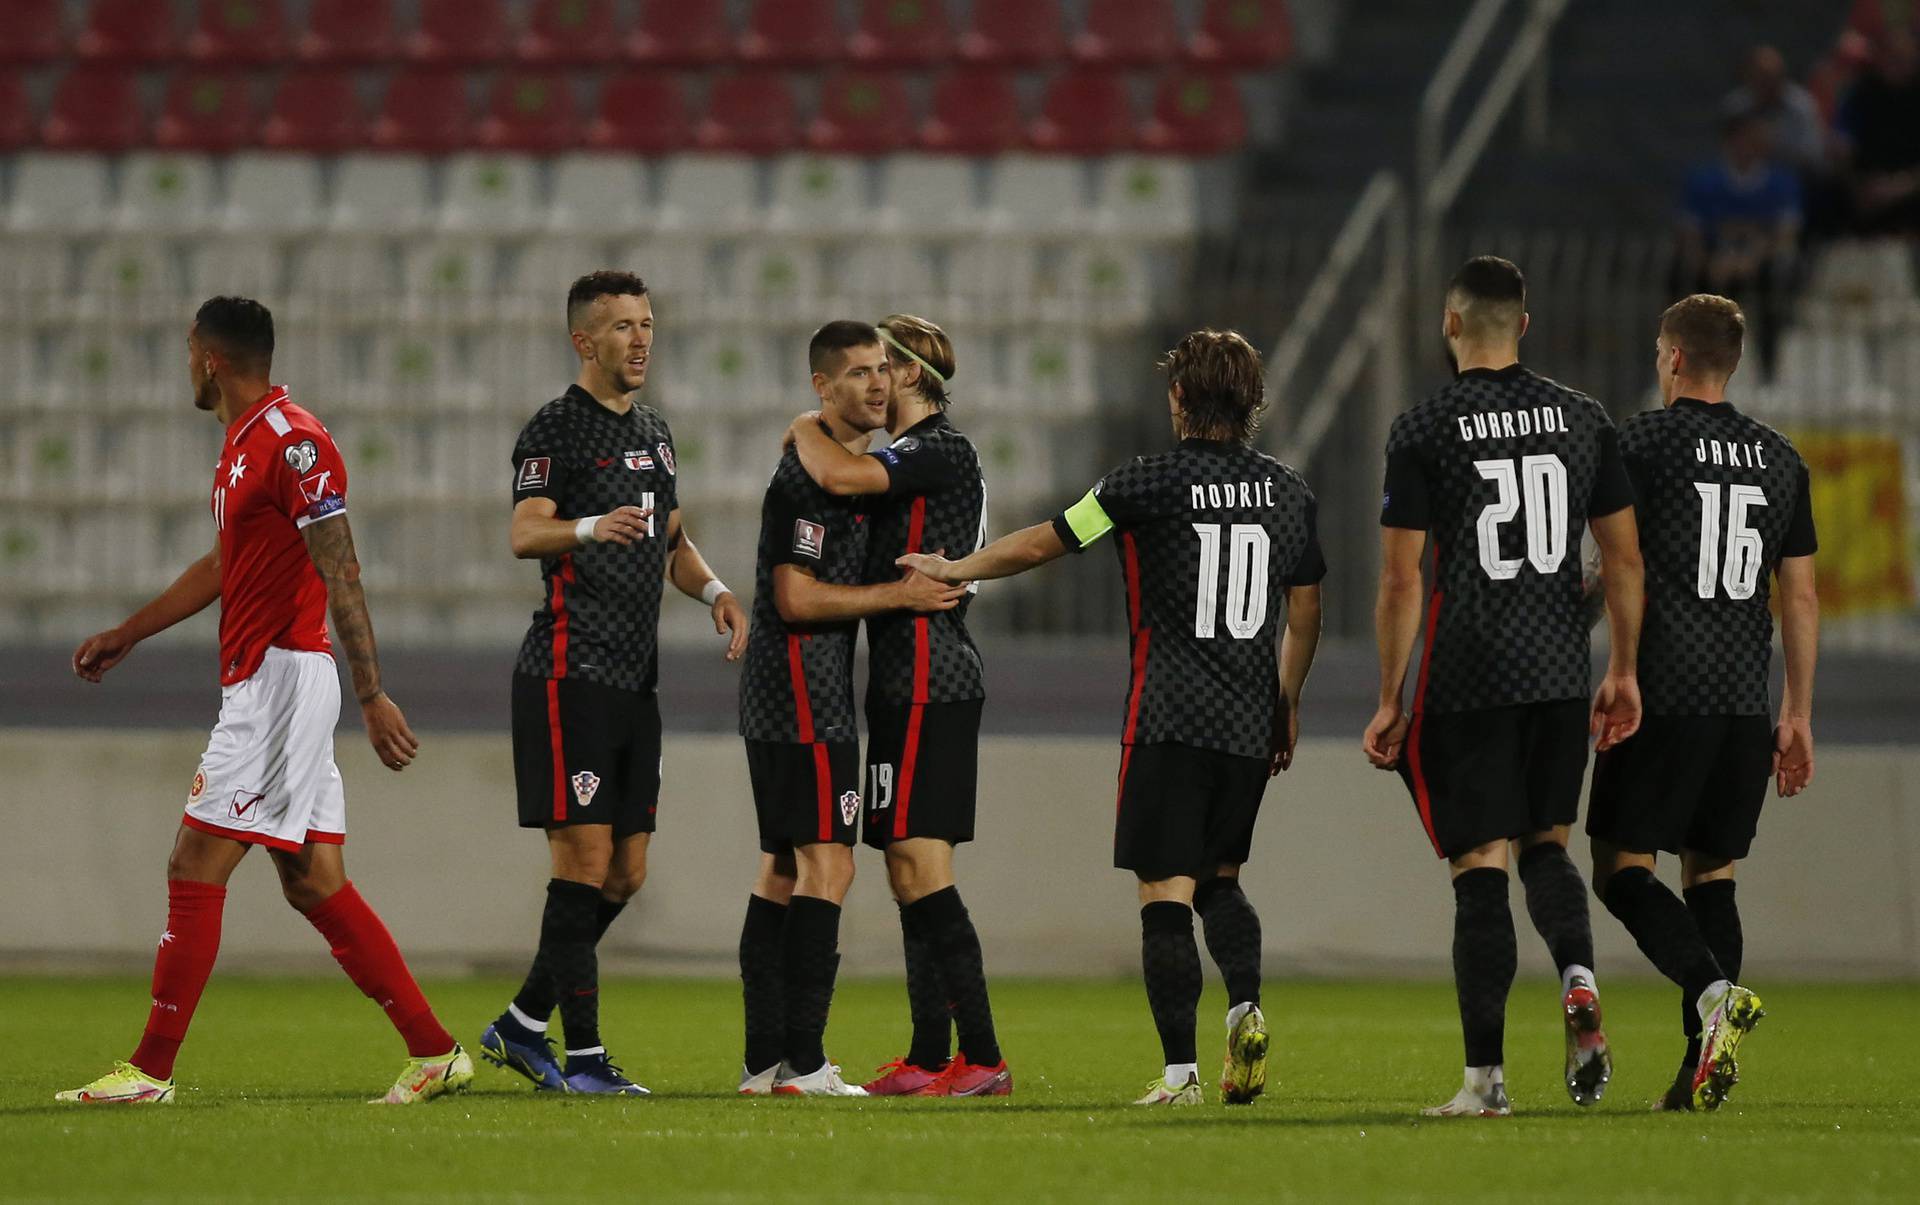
column 1489, row 292
column 240, row 328
column 835, row 338
column 1223, row 389
column 1710, row 329
column 607, row 282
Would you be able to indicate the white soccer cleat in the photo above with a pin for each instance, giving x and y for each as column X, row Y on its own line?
column 825, row 1081
column 758, row 1083
column 1160, row 1092
column 1483, row 1094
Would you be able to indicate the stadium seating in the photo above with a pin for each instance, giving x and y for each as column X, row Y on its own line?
column 165, row 191
column 867, row 113
column 1128, row 33
column 569, row 33
column 424, row 111
column 902, row 33
column 316, row 111
column 820, row 193
column 457, row 33
column 209, row 111
column 347, row 32
column 32, row 32
column 531, row 112
column 1195, row 113
column 235, row 33
column 974, row 112
column 127, row 31
column 273, row 192
column 1014, row 33
column 16, row 114
column 59, row 192
column 95, row 109
column 1245, row 35
column 791, row 33
column 681, row 33
column 643, row 113
column 1085, row 112
column 751, row 114
column 490, row 192
column 380, row 192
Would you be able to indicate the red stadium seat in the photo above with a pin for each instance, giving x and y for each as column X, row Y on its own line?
column 317, row 111
column 865, row 114
column 644, row 113
column 1086, row 112
column 208, row 111
column 532, row 112
column 16, row 114
column 424, row 111
column 562, row 32
column 238, row 32
column 1244, row 35
column 681, row 33
column 1014, row 33
column 32, row 32
column 95, row 109
column 127, row 31
column 349, row 31
column 1128, row 33
column 975, row 112
column 792, row 33
column 460, row 33
column 902, row 33
column 750, row 114
column 1195, row 113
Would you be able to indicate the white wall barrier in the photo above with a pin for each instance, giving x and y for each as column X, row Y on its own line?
column 1342, row 875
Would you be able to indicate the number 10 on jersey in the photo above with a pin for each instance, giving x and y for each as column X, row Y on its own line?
column 1249, row 548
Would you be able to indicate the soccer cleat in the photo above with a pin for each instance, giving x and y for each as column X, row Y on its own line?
column 1679, row 1097
column 1158, row 1093
column 1732, row 1018
column 962, row 1078
column 423, row 1079
column 1244, row 1076
column 901, row 1078
column 758, row 1083
column 1469, row 1102
column 126, row 1084
column 536, row 1062
column 1589, row 1064
column 824, row 1081
column 598, row 1076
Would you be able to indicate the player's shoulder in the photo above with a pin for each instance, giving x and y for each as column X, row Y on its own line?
column 1759, row 431
column 294, row 429
column 1428, row 416
column 1548, row 389
column 556, row 415
column 1283, row 471
column 651, row 418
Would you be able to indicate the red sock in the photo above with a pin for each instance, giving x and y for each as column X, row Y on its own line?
column 180, row 970
column 365, row 951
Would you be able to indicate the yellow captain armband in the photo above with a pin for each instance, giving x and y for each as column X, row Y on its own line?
column 1087, row 519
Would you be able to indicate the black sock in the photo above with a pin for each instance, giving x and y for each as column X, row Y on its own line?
column 1557, row 904
column 1714, row 911
column 1171, row 960
column 762, row 986
column 537, row 997
column 1232, row 930
column 809, row 960
column 926, row 996
column 567, row 958
column 1484, row 959
column 963, row 973
column 1662, row 928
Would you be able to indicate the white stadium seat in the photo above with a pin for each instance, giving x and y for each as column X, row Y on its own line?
column 1149, row 196
column 929, row 195
column 59, row 192
column 484, row 191
column 380, row 192
column 236, row 265
column 597, row 194
column 163, row 191
column 718, row 193
column 1037, row 193
column 821, row 193
column 274, row 193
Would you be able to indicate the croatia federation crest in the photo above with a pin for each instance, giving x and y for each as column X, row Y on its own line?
column 585, row 783
column 666, row 457
column 849, row 806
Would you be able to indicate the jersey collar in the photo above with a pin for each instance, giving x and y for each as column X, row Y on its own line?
column 1494, row 374
column 937, row 419
column 252, row 413
column 587, row 399
column 1703, row 407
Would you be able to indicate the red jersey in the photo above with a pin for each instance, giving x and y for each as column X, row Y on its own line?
column 278, row 472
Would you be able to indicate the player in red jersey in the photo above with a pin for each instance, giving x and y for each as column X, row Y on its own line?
column 283, row 561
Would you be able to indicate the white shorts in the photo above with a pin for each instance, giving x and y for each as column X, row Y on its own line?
column 268, row 776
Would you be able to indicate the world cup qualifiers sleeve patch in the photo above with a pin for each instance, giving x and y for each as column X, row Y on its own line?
column 534, row 472
column 808, row 538
column 301, row 457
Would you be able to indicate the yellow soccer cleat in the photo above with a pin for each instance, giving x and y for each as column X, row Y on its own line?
column 126, row 1084
column 1732, row 1018
column 423, row 1079
column 1245, row 1074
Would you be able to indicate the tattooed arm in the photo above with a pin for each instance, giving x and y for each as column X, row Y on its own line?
column 330, row 544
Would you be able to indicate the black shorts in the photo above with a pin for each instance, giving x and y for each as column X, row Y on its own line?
column 923, row 763
column 584, row 753
column 1497, row 772
column 1684, row 782
column 1185, row 811
column 804, row 794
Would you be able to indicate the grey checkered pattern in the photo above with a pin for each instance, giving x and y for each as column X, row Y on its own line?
column 1706, row 656
column 1213, row 692
column 950, row 520
column 1521, row 640
column 768, row 710
column 600, row 461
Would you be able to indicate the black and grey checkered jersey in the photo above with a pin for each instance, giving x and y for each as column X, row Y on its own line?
column 1502, row 469
column 1720, row 499
column 600, row 620
column 936, row 499
column 1211, row 534
column 797, row 684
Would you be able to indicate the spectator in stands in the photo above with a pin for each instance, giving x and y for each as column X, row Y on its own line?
column 1880, row 125
column 1792, row 118
column 1740, row 225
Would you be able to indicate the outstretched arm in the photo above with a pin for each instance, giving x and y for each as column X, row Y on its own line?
column 191, row 593
column 1616, row 705
column 802, row 598
column 330, row 544
column 1014, row 553
column 1800, row 636
column 835, row 468
column 690, row 574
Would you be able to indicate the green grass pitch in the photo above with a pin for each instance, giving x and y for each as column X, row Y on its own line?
column 276, row 1071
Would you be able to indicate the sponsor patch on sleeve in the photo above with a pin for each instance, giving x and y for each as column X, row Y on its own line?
column 808, row 538
column 323, row 508
column 533, row 474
